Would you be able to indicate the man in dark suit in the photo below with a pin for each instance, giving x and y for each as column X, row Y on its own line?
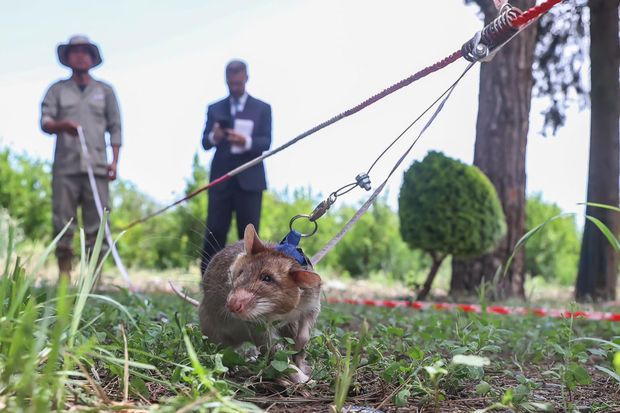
column 239, row 128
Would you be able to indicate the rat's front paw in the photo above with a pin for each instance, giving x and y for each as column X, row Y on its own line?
column 298, row 376
column 302, row 364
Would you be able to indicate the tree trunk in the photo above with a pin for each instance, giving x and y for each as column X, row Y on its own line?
column 598, row 262
column 501, row 136
column 437, row 260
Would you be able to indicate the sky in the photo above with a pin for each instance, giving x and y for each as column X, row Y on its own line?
column 309, row 59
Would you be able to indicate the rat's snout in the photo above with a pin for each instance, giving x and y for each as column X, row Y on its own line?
column 238, row 301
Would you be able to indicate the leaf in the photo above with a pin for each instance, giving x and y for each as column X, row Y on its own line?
column 558, row 349
column 470, row 360
column 491, row 349
column 435, row 370
column 507, row 397
column 527, row 236
column 606, row 231
column 231, row 358
column 611, row 373
column 617, row 362
column 581, row 374
column 520, row 393
column 396, row 331
column 599, row 340
column 415, row 353
column 279, row 365
column 401, row 398
column 483, row 388
column 218, row 366
column 140, row 386
column 605, row 206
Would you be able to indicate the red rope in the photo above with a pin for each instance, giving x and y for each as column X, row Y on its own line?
column 177, row 202
column 373, row 99
column 519, row 21
column 533, row 13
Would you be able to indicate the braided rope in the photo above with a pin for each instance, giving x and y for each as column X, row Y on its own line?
column 533, row 13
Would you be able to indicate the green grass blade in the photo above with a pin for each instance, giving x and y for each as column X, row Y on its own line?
column 529, row 235
column 606, row 231
column 605, row 206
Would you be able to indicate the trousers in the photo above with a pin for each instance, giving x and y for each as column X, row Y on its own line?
column 69, row 192
column 222, row 203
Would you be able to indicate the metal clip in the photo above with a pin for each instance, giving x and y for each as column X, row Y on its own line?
column 485, row 43
column 363, row 180
column 320, row 210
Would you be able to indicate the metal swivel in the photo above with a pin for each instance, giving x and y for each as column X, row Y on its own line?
column 363, row 180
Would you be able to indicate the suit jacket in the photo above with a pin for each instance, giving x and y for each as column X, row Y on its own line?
column 252, row 179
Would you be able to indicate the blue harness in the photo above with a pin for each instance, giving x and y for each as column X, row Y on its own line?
column 289, row 246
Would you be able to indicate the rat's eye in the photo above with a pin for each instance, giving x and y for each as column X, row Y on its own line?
column 266, row 278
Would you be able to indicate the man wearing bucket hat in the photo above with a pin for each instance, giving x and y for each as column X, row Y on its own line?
column 67, row 105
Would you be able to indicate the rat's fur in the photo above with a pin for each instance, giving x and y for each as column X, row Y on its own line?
column 250, row 283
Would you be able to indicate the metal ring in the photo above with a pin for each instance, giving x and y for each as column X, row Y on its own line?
column 296, row 217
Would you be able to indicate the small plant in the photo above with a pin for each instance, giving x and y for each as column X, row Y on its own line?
column 346, row 365
column 435, row 372
column 570, row 372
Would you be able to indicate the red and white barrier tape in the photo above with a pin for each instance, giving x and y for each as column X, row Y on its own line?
column 475, row 308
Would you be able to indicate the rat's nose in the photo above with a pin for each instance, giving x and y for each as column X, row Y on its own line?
column 238, row 301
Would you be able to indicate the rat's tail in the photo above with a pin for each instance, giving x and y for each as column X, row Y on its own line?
column 183, row 296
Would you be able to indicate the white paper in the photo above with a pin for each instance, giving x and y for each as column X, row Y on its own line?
column 243, row 127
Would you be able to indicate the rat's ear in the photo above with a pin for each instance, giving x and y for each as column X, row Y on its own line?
column 305, row 278
column 251, row 242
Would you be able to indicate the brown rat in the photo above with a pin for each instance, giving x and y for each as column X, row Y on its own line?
column 249, row 283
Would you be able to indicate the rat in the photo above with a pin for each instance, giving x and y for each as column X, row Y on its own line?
column 254, row 293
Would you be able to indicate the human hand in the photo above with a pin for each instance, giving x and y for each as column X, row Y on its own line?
column 70, row 127
column 218, row 133
column 112, row 171
column 235, row 138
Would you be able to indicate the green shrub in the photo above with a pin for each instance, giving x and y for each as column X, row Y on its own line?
column 26, row 193
column 174, row 239
column 553, row 252
column 448, row 208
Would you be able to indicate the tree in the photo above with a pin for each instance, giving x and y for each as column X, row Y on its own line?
column 501, row 137
column 598, row 264
column 448, row 208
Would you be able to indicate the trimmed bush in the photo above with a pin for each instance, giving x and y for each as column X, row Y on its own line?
column 448, row 208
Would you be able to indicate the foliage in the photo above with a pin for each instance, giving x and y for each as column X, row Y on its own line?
column 67, row 348
column 25, row 192
column 449, row 208
column 52, row 342
column 560, row 55
column 554, row 252
column 174, row 239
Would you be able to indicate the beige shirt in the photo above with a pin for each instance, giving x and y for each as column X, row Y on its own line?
column 96, row 110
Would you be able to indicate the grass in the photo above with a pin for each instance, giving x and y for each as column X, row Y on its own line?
column 66, row 347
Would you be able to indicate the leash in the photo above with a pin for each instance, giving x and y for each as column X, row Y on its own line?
column 373, row 99
column 371, row 200
column 481, row 47
column 99, row 206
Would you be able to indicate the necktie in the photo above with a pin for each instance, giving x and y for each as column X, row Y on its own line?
column 236, row 107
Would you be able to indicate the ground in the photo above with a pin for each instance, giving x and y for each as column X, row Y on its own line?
column 534, row 363
column 398, row 359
